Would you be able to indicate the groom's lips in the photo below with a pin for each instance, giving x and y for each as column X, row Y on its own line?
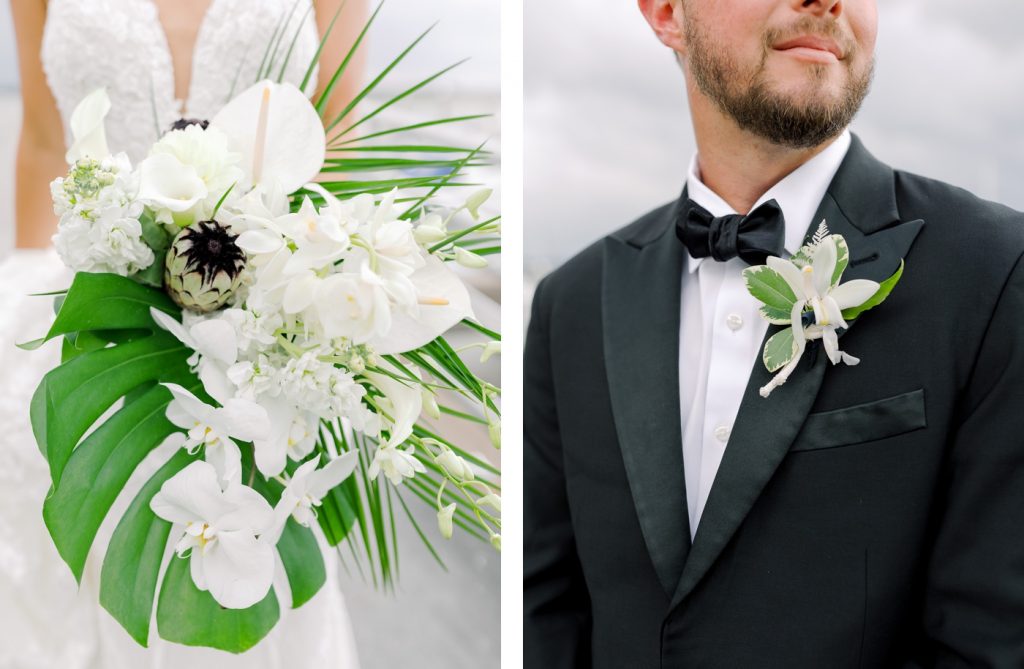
column 810, row 47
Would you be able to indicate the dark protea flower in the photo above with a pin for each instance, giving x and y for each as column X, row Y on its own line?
column 183, row 123
column 203, row 266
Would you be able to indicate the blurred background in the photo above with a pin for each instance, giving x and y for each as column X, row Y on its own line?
column 608, row 133
column 436, row 618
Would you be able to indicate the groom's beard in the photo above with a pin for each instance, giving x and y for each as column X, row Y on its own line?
column 745, row 95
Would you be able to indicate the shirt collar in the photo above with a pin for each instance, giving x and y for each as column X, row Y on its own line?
column 798, row 194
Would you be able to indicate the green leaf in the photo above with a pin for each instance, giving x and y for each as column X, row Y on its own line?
column 187, row 615
column 132, row 562
column 99, row 469
column 768, row 286
column 842, row 258
column 883, row 292
column 779, row 350
column 79, row 391
column 109, row 302
column 775, row 316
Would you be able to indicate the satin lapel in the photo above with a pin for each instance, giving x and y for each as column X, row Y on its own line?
column 860, row 205
column 640, row 304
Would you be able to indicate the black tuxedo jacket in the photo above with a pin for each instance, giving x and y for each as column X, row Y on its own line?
column 867, row 516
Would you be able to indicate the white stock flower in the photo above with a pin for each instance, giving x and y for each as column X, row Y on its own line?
column 214, row 428
column 222, row 526
column 307, row 488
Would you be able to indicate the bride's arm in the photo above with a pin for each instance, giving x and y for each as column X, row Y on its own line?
column 346, row 29
column 40, row 157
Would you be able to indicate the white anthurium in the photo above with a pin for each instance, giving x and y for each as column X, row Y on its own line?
column 306, row 489
column 87, row 130
column 278, row 132
column 215, row 343
column 443, row 302
column 172, row 189
column 222, row 529
column 816, row 287
column 215, row 428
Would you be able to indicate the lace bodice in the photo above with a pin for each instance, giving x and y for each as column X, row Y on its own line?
column 121, row 44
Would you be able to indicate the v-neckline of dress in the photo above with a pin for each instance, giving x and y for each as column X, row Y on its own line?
column 183, row 104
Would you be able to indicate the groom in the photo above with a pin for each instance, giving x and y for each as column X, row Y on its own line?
column 867, row 515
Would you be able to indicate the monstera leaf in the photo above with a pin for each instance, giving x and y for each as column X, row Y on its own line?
column 114, row 360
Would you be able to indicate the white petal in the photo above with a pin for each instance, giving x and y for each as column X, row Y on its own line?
column 251, row 511
column 196, row 568
column 271, row 456
column 831, row 341
column 226, row 460
column 190, row 404
column 215, row 337
column 87, row 128
column 790, row 272
column 191, row 495
column 166, row 182
column 824, row 265
column 215, row 380
column 257, row 242
column 295, row 143
column 178, row 416
column 330, row 476
column 405, row 399
column 854, row 293
column 406, row 332
column 244, row 419
column 239, row 570
column 171, row 324
column 299, row 293
column 272, row 445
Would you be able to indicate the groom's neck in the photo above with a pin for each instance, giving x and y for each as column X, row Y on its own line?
column 737, row 165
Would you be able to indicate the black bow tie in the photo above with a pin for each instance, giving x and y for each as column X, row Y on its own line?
column 753, row 237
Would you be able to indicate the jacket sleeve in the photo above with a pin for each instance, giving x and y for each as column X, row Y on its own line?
column 974, row 599
column 556, row 628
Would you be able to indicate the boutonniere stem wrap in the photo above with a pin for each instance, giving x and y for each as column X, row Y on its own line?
column 805, row 293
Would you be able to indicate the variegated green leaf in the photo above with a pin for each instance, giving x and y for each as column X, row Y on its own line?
column 779, row 350
column 768, row 286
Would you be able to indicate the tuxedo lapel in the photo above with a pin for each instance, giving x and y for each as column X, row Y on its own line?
column 860, row 205
column 640, row 306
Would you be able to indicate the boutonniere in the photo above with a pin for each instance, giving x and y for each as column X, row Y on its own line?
column 805, row 293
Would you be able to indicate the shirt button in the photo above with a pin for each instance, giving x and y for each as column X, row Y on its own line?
column 734, row 322
column 722, row 433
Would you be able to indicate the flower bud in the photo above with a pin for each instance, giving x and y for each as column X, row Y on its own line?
column 494, row 430
column 496, row 542
column 427, row 234
column 456, row 467
column 474, row 201
column 430, row 404
column 491, row 500
column 491, row 348
column 469, row 259
column 444, row 520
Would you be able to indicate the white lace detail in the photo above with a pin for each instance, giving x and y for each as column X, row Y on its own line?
column 121, row 44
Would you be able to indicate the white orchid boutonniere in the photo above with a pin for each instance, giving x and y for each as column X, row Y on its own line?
column 804, row 292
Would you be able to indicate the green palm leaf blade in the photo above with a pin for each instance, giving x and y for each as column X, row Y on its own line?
column 132, row 563
column 187, row 615
column 340, row 511
column 99, row 469
column 109, row 302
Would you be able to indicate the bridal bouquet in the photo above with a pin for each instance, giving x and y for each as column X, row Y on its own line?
column 280, row 335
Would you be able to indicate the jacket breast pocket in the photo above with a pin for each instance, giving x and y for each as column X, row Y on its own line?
column 861, row 423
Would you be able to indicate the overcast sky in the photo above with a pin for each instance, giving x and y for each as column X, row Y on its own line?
column 608, row 134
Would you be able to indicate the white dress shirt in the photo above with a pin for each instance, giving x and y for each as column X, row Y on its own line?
column 720, row 329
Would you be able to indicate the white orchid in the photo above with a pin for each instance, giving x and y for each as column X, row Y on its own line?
column 215, row 427
column 812, row 277
column 307, row 488
column 215, row 343
column 396, row 464
column 222, row 529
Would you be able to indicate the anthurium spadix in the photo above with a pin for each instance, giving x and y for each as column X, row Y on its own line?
column 214, row 428
column 278, row 132
column 805, row 292
column 89, row 137
column 222, row 529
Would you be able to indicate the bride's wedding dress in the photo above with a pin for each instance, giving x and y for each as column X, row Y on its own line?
column 46, row 620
